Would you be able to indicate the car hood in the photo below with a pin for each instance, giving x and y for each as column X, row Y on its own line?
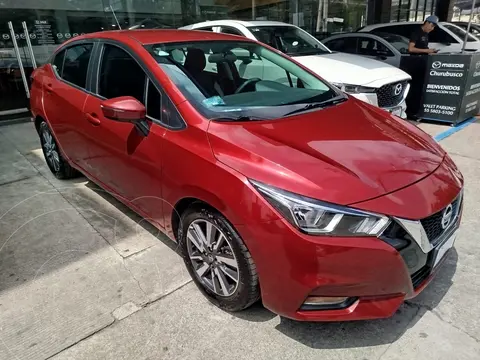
column 343, row 154
column 352, row 69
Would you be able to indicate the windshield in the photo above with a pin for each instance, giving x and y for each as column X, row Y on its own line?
column 398, row 42
column 239, row 79
column 289, row 39
column 460, row 32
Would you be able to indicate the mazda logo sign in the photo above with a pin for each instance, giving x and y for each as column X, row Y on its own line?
column 398, row 89
column 436, row 64
column 447, row 216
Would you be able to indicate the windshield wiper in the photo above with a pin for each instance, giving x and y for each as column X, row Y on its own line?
column 238, row 118
column 316, row 105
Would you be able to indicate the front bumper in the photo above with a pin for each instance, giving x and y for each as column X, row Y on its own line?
column 370, row 271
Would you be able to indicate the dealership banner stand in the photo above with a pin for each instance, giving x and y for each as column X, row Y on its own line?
column 451, row 90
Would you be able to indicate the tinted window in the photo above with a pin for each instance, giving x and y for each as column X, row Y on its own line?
column 231, row 31
column 398, row 42
column 210, row 28
column 439, row 35
column 154, row 101
column 75, row 64
column 58, row 62
column 346, row 44
column 120, row 75
column 372, row 47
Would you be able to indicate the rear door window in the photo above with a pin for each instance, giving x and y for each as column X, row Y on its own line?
column 73, row 65
column 372, row 47
column 346, row 44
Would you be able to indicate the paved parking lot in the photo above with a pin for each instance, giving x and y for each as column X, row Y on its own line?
column 82, row 277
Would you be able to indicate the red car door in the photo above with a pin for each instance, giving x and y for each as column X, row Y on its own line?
column 65, row 96
column 122, row 158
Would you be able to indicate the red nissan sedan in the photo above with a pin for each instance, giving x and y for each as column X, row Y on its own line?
column 276, row 185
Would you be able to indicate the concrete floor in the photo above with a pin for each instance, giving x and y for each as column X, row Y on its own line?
column 83, row 277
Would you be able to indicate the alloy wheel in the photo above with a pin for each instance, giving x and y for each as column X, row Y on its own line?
column 50, row 149
column 212, row 257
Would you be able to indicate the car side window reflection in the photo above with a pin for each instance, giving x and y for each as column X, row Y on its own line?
column 120, row 75
column 371, row 47
column 58, row 62
column 71, row 64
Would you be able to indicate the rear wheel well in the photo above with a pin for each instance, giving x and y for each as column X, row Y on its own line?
column 180, row 207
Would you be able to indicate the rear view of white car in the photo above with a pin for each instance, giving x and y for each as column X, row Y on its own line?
column 446, row 37
column 369, row 80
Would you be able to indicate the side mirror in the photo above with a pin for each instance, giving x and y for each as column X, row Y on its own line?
column 127, row 109
column 124, row 109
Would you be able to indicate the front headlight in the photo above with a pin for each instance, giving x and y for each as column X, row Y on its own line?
column 354, row 89
column 318, row 218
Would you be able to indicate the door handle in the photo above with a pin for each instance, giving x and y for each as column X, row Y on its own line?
column 49, row 88
column 93, row 119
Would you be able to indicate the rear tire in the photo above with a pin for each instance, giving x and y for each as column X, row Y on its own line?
column 54, row 158
column 224, row 258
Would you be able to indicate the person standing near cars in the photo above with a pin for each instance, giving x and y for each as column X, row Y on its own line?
column 416, row 66
column 418, row 43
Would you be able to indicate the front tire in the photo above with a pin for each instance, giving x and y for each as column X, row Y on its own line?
column 54, row 158
column 217, row 259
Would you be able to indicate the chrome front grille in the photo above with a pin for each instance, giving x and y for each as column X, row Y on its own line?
column 428, row 232
column 433, row 224
column 391, row 94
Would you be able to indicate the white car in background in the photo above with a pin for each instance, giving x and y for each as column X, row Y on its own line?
column 446, row 37
column 369, row 80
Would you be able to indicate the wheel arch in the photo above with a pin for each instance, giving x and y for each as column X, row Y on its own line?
column 185, row 203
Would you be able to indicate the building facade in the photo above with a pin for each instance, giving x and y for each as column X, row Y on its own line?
column 48, row 23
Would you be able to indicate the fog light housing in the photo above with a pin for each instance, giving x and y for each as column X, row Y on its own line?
column 327, row 302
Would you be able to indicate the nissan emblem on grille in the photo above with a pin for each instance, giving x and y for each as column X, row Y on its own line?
column 447, row 216
column 398, row 89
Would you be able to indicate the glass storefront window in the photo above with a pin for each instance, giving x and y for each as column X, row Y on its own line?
column 411, row 10
column 340, row 16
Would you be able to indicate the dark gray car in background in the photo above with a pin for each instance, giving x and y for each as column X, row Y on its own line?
column 380, row 46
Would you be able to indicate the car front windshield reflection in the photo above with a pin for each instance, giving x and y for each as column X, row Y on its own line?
column 239, row 79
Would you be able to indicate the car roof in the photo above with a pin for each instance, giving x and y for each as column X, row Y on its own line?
column 240, row 22
column 375, row 26
column 155, row 36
